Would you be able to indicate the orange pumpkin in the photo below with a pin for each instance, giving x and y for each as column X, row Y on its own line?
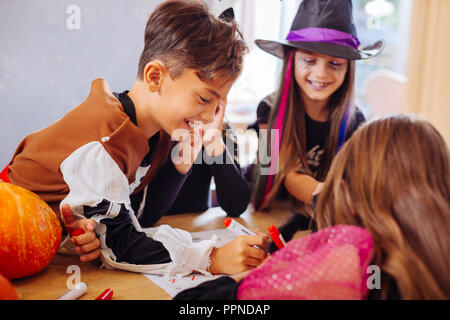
column 30, row 232
column 7, row 291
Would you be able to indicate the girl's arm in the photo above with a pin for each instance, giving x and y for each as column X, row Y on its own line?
column 302, row 186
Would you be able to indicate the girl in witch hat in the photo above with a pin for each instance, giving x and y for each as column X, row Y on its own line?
column 313, row 108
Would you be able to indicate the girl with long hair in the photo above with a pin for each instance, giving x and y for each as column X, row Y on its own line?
column 313, row 113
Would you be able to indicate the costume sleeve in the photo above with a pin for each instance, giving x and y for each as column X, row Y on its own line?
column 223, row 288
column 232, row 190
column 262, row 113
column 99, row 190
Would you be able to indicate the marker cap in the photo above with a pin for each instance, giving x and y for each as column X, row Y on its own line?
column 276, row 236
column 105, row 295
column 227, row 222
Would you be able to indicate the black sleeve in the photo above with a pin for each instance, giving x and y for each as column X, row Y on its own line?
column 262, row 115
column 223, row 288
column 161, row 194
column 357, row 120
column 124, row 242
column 232, row 190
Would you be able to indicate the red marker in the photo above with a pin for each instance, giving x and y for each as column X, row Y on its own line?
column 276, row 237
column 106, row 295
column 77, row 232
column 237, row 228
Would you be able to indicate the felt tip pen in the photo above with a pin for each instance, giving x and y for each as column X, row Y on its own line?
column 105, row 295
column 237, row 228
column 77, row 291
column 276, row 237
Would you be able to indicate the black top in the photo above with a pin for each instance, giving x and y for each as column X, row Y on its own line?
column 316, row 134
column 316, row 131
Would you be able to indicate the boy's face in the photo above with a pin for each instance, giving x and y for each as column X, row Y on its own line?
column 187, row 99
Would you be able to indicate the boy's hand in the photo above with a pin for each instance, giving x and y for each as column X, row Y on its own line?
column 212, row 138
column 238, row 255
column 87, row 244
column 186, row 151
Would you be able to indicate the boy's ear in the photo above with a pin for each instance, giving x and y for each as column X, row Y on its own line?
column 154, row 73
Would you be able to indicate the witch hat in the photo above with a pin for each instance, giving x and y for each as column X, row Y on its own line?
column 324, row 26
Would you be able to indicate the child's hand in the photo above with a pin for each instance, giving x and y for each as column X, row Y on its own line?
column 212, row 138
column 87, row 244
column 186, row 151
column 238, row 255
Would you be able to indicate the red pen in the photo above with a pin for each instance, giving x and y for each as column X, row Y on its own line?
column 106, row 295
column 276, row 237
column 237, row 228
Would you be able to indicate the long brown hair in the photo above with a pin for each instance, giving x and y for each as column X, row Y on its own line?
column 293, row 151
column 393, row 178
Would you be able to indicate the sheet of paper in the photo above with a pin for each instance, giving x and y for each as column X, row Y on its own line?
column 177, row 284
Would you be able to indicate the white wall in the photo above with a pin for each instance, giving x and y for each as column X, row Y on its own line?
column 46, row 68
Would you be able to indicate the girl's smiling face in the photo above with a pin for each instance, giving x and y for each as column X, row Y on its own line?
column 318, row 75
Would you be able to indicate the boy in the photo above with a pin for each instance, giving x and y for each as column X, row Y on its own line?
column 88, row 164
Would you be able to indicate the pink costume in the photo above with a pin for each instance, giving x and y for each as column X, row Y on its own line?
column 329, row 264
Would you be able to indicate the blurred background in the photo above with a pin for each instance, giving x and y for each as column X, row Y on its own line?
column 51, row 50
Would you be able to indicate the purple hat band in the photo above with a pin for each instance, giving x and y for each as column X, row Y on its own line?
column 323, row 35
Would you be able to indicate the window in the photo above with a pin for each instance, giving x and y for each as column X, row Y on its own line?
column 381, row 19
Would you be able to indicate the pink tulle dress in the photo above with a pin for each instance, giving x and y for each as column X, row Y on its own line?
column 328, row 264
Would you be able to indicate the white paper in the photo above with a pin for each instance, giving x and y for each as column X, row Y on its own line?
column 177, row 284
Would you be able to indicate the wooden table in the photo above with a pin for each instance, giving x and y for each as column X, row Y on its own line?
column 51, row 282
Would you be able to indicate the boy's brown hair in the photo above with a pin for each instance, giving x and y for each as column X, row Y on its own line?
column 183, row 34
